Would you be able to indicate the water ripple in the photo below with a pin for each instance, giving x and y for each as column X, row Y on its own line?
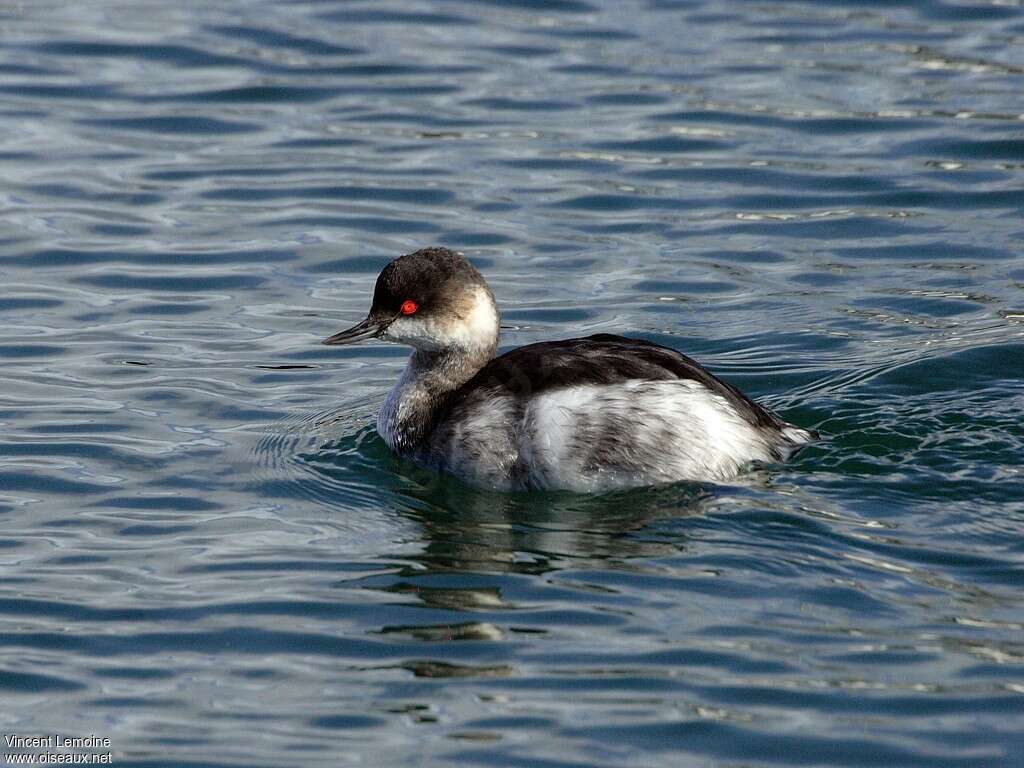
column 210, row 557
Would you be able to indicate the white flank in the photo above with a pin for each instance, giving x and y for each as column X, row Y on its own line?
column 677, row 430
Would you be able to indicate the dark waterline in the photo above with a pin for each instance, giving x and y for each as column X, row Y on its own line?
column 208, row 555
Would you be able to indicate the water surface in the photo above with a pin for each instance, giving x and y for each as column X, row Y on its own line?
column 208, row 555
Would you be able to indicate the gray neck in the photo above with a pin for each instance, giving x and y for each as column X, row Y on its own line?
column 424, row 388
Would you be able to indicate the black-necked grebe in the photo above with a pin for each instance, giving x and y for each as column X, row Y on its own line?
column 587, row 414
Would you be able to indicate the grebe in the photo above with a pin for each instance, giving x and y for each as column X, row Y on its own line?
column 588, row 414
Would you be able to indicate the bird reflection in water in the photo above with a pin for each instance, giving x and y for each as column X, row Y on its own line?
column 475, row 543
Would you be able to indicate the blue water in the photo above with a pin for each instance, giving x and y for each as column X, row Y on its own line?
column 209, row 557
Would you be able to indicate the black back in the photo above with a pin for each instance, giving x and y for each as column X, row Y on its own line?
column 601, row 359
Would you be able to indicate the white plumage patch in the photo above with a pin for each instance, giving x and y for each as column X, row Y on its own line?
column 479, row 326
column 658, row 431
column 472, row 326
column 797, row 436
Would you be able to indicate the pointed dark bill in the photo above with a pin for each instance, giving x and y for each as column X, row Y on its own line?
column 370, row 328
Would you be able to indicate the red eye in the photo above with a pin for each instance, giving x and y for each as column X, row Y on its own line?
column 408, row 307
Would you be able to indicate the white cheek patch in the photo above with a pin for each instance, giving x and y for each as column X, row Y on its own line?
column 415, row 332
column 475, row 329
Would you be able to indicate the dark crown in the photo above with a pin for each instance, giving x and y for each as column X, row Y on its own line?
column 427, row 276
